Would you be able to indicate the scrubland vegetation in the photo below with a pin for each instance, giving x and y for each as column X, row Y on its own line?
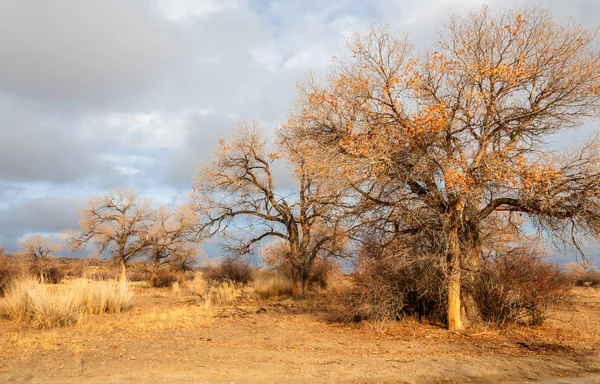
column 425, row 185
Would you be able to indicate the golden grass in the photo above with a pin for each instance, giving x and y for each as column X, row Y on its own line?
column 30, row 302
column 271, row 285
column 225, row 293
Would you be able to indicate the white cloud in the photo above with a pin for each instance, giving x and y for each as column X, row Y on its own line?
column 184, row 10
column 142, row 130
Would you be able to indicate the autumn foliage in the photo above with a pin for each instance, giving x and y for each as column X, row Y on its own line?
column 441, row 149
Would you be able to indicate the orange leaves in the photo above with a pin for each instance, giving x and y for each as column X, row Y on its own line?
column 539, row 177
column 456, row 179
column 429, row 120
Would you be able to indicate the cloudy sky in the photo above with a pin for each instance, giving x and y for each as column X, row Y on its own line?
column 102, row 94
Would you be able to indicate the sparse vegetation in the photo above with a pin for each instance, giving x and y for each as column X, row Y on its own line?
column 519, row 287
column 232, row 270
column 270, row 284
column 30, row 301
column 164, row 278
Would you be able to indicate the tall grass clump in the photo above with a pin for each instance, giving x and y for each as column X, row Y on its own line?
column 104, row 296
column 29, row 301
column 32, row 302
column 270, row 284
column 224, row 293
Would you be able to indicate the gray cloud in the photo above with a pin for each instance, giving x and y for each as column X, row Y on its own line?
column 70, row 51
column 41, row 146
column 46, row 214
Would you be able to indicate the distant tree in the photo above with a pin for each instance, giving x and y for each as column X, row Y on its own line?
column 173, row 236
column 240, row 185
column 443, row 147
column 38, row 247
column 117, row 225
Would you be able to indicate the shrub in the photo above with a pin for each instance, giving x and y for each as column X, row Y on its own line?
column 391, row 283
column 46, row 273
column 7, row 275
column 583, row 275
column 164, row 279
column 518, row 287
column 322, row 271
column 230, row 270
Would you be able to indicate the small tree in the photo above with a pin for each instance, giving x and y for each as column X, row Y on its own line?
column 172, row 236
column 240, row 185
column 117, row 225
column 38, row 247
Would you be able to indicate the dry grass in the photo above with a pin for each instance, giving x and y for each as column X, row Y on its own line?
column 225, row 293
column 28, row 301
column 269, row 285
column 106, row 296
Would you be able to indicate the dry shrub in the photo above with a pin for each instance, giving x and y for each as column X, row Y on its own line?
column 165, row 279
column 230, row 270
column 269, row 284
column 30, row 302
column 391, row 283
column 139, row 276
column 6, row 277
column 323, row 273
column 583, row 275
column 47, row 273
column 7, row 274
column 519, row 287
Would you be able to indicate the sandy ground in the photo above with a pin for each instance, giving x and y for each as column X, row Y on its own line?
column 170, row 338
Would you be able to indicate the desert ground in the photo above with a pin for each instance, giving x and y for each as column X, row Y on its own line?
column 175, row 335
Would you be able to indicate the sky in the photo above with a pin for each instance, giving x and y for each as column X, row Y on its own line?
column 96, row 95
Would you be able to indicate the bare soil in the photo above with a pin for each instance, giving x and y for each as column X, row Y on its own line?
column 170, row 337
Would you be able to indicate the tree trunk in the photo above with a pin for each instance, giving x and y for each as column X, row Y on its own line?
column 470, row 265
column 123, row 275
column 299, row 284
column 453, row 315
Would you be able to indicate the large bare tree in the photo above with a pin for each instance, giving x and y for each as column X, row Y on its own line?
column 443, row 145
column 117, row 225
column 239, row 188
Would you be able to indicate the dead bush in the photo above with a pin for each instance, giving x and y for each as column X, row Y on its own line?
column 321, row 273
column 519, row 287
column 583, row 275
column 164, row 278
column 391, row 283
column 139, row 276
column 232, row 270
column 47, row 273
column 6, row 277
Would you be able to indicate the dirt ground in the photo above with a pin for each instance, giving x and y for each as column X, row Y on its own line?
column 171, row 337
